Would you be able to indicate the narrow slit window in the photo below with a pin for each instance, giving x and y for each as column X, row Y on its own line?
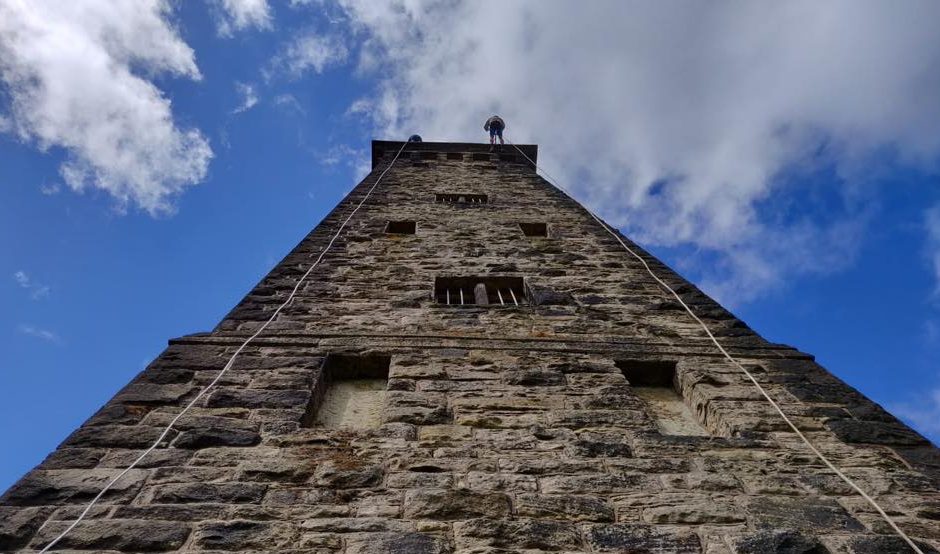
column 350, row 393
column 429, row 155
column 401, row 227
column 534, row 229
column 462, row 199
column 480, row 291
column 508, row 158
column 655, row 383
column 481, row 157
column 455, row 156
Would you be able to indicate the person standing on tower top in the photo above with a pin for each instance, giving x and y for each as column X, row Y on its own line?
column 495, row 126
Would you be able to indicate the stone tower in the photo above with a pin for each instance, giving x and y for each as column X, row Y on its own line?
column 477, row 365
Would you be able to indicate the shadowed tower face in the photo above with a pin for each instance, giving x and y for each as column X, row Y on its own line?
column 477, row 365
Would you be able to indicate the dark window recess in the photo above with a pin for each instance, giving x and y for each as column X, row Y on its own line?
column 462, row 198
column 480, row 291
column 648, row 373
column 401, row 227
column 420, row 164
column 534, row 229
column 429, row 155
column 481, row 157
column 655, row 383
column 508, row 158
column 349, row 393
column 455, row 155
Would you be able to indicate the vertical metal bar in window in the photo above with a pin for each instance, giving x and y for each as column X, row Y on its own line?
column 447, row 295
column 461, row 296
column 514, row 301
column 500, row 295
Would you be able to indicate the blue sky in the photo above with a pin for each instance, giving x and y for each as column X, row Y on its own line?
column 786, row 159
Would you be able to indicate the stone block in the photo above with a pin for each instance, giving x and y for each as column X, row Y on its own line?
column 116, row 534
column 241, row 535
column 17, row 525
column 348, row 475
column 56, row 486
column 219, row 493
column 649, row 539
column 516, row 534
column 564, row 506
column 454, row 504
column 396, row 543
column 258, row 398
column 810, row 514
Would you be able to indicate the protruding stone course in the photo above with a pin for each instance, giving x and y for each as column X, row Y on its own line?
column 503, row 428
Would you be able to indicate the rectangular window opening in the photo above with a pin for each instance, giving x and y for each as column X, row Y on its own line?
column 654, row 382
column 350, row 393
column 508, row 158
column 534, row 229
column 455, row 156
column 480, row 291
column 463, row 199
column 401, row 227
column 429, row 155
column 481, row 157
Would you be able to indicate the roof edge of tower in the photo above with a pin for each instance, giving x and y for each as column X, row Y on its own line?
column 381, row 147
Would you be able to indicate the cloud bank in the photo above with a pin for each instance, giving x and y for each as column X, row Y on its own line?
column 78, row 77
column 687, row 125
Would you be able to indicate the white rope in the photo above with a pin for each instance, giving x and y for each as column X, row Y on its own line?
column 773, row 403
column 230, row 362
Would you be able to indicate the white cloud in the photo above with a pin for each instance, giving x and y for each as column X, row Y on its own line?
column 932, row 226
column 249, row 97
column 680, row 124
column 50, row 189
column 237, row 15
column 36, row 290
column 74, row 73
column 40, row 333
column 289, row 103
column 308, row 51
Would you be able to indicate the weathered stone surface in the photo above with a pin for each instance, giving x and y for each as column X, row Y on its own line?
column 565, row 507
column 254, row 398
column 205, row 438
column 221, row 493
column 455, row 504
column 642, row 538
column 239, row 535
column 45, row 487
column 117, row 534
column 809, row 514
column 348, row 476
column 396, row 543
column 18, row 525
column 778, row 542
column 516, row 534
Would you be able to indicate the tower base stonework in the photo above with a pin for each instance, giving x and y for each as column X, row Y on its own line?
column 477, row 366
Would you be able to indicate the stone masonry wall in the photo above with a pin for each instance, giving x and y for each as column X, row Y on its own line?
column 504, row 429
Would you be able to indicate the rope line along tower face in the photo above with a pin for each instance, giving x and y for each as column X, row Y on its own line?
column 462, row 358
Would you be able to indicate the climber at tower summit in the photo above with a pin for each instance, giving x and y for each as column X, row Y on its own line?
column 495, row 126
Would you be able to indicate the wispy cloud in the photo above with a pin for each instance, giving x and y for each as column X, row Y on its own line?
column 307, row 52
column 39, row 333
column 50, row 189
column 289, row 103
column 237, row 15
column 36, row 290
column 249, row 97
column 80, row 76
